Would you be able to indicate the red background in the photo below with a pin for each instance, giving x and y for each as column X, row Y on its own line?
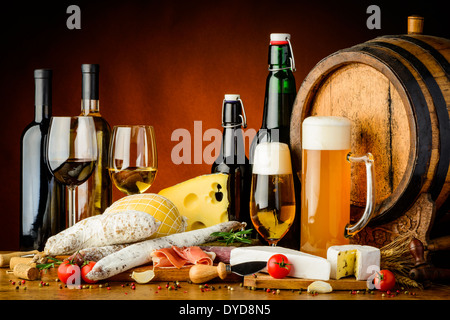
column 167, row 64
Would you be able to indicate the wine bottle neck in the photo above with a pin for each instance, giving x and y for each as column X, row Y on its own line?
column 90, row 89
column 90, row 107
column 43, row 95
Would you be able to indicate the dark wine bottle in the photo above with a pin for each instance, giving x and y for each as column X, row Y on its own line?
column 278, row 102
column 42, row 198
column 95, row 195
column 232, row 159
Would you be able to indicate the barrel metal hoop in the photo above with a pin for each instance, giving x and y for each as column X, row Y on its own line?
column 441, row 60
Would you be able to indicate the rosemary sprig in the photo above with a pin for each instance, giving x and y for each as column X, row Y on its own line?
column 45, row 266
column 230, row 237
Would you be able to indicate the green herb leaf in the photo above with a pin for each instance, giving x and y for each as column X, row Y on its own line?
column 44, row 266
column 230, row 237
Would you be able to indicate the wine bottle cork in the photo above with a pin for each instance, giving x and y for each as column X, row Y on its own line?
column 17, row 260
column 6, row 257
column 26, row 271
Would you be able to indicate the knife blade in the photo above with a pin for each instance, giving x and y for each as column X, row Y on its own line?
column 202, row 273
column 246, row 268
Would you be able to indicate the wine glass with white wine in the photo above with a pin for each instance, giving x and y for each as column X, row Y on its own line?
column 133, row 159
column 272, row 197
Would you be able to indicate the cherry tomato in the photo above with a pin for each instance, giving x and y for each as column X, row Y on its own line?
column 384, row 280
column 278, row 266
column 87, row 266
column 68, row 271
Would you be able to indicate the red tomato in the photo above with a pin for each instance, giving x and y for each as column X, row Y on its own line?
column 67, row 271
column 87, row 266
column 384, row 280
column 278, row 266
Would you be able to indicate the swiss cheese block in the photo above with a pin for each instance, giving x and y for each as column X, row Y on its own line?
column 357, row 260
column 304, row 265
column 202, row 200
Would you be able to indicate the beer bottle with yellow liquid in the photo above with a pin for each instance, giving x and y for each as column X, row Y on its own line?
column 278, row 102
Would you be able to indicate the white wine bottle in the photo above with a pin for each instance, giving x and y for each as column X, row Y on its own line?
column 95, row 195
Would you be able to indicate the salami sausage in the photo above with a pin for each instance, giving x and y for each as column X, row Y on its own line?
column 98, row 253
column 140, row 253
column 103, row 230
column 222, row 252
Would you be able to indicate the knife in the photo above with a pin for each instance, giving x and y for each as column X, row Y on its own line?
column 203, row 273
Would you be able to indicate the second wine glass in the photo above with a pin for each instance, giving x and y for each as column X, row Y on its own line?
column 133, row 159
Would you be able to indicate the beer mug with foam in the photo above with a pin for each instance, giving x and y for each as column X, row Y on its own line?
column 325, row 195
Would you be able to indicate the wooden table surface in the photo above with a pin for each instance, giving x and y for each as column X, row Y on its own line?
column 12, row 288
column 217, row 292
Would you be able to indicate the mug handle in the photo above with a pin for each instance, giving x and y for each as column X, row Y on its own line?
column 351, row 230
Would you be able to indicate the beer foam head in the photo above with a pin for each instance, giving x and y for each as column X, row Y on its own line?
column 326, row 133
column 272, row 158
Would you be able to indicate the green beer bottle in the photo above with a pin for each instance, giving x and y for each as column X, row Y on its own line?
column 278, row 102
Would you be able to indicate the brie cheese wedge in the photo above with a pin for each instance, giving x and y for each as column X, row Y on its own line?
column 304, row 265
column 357, row 260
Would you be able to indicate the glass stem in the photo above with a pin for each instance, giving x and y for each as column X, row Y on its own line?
column 71, row 204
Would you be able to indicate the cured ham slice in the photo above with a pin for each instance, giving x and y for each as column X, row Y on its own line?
column 179, row 257
column 167, row 257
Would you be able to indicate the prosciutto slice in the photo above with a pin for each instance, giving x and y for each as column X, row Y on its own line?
column 179, row 257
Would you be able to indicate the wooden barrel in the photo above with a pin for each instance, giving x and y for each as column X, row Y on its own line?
column 396, row 92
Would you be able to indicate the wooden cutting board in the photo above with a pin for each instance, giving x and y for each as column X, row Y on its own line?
column 262, row 280
column 161, row 275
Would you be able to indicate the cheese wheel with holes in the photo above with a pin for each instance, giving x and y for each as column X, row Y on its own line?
column 203, row 200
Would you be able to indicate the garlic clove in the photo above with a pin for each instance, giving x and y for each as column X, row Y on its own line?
column 320, row 287
column 143, row 277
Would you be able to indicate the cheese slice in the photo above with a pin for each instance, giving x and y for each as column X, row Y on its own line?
column 357, row 260
column 202, row 200
column 304, row 265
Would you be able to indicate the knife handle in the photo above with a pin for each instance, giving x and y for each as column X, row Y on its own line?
column 200, row 273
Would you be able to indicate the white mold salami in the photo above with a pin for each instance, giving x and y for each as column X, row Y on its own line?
column 140, row 253
column 103, row 230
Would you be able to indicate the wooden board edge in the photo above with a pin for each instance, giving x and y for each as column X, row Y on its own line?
column 265, row 281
